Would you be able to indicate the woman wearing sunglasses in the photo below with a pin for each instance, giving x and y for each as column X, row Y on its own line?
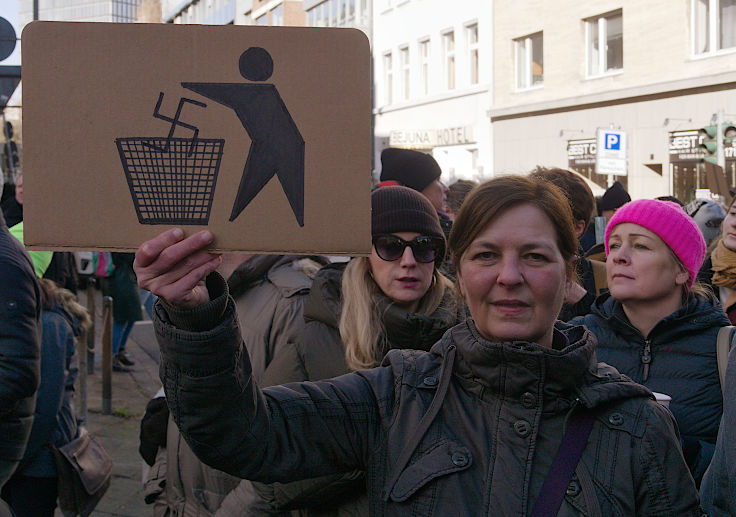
column 395, row 298
column 505, row 415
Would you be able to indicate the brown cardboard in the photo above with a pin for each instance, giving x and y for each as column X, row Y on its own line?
column 85, row 85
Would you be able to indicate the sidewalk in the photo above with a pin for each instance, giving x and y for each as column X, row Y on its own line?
column 119, row 431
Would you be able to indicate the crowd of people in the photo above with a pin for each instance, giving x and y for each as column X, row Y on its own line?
column 514, row 347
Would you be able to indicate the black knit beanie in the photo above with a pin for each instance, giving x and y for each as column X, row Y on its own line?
column 615, row 197
column 401, row 209
column 411, row 168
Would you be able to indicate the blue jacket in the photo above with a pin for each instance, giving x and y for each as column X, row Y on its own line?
column 678, row 358
column 20, row 302
column 54, row 420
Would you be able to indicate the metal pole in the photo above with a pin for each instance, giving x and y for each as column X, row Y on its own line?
column 92, row 308
column 35, row 9
column 82, row 358
column 107, row 355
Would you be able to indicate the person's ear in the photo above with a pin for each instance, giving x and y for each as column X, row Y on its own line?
column 580, row 228
column 682, row 277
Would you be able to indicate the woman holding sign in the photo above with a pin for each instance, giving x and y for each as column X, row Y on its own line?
column 493, row 420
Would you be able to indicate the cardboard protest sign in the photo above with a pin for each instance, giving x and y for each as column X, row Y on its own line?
column 260, row 134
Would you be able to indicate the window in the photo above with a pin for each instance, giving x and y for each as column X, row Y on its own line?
column 471, row 33
column 277, row 15
column 448, row 47
column 714, row 25
column 388, row 77
column 424, row 65
column 529, row 61
column 262, row 20
column 605, row 44
column 405, row 71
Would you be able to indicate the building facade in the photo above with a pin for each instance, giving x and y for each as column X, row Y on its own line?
column 204, row 12
column 658, row 70
column 432, row 82
column 120, row 11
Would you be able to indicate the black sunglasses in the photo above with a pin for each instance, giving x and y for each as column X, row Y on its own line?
column 424, row 248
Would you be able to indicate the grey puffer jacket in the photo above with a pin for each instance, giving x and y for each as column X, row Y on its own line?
column 490, row 438
column 319, row 353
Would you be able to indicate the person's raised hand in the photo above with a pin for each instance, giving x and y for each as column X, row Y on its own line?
column 175, row 268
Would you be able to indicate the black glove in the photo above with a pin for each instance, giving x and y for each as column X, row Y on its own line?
column 153, row 429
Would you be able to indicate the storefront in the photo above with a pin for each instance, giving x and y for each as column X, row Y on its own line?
column 581, row 158
column 686, row 167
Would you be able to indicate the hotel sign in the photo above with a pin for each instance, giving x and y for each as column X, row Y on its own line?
column 431, row 138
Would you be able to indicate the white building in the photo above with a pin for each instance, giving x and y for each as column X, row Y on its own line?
column 79, row 10
column 432, row 82
column 205, row 12
column 658, row 70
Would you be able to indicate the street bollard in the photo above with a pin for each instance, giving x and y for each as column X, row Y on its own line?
column 91, row 307
column 107, row 355
column 82, row 358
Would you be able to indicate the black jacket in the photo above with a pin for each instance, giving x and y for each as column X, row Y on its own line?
column 20, row 306
column 496, row 423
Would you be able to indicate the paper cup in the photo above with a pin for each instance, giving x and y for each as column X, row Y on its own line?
column 662, row 399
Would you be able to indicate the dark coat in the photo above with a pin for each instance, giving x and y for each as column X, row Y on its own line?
column 20, row 313
column 54, row 420
column 717, row 490
column 126, row 299
column 319, row 353
column 682, row 364
column 490, row 438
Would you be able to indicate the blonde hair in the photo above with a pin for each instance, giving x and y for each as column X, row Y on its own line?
column 361, row 324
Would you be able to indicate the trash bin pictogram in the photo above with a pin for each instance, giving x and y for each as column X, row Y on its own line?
column 171, row 180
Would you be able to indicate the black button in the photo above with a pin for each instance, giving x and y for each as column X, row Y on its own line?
column 573, row 488
column 528, row 400
column 522, row 428
column 459, row 459
column 616, row 419
column 430, row 381
column 531, row 365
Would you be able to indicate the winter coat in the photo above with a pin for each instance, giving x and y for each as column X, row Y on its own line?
column 677, row 358
column 319, row 353
column 270, row 291
column 126, row 299
column 54, row 419
column 717, row 490
column 20, row 306
column 489, row 440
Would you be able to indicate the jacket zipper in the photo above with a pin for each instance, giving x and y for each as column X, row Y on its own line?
column 646, row 358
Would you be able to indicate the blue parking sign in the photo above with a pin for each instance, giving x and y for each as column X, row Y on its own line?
column 612, row 141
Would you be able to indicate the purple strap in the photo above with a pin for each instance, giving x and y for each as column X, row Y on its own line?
column 567, row 459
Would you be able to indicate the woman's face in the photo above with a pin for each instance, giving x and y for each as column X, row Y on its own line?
column 403, row 280
column 640, row 266
column 729, row 228
column 514, row 277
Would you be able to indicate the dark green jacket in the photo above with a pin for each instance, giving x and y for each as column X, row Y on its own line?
column 497, row 423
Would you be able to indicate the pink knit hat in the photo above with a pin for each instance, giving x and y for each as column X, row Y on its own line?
column 670, row 222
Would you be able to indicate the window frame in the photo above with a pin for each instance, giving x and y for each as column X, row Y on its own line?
column 713, row 26
column 425, row 64
column 601, row 21
column 528, row 73
column 388, row 86
column 471, row 29
column 405, row 68
column 449, row 60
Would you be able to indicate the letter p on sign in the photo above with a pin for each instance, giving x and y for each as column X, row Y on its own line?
column 613, row 141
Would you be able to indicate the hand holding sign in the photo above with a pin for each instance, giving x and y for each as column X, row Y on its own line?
column 175, row 269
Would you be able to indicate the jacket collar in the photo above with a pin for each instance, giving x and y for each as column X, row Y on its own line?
column 566, row 374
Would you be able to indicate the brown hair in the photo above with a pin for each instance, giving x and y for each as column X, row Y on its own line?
column 574, row 187
column 497, row 195
column 457, row 192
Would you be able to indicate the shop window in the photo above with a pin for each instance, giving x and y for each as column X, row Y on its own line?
column 713, row 25
column 448, row 47
column 529, row 53
column 605, row 44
